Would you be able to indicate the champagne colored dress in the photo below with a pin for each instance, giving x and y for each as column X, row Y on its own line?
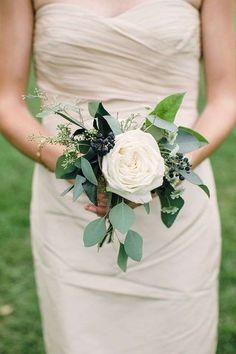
column 168, row 302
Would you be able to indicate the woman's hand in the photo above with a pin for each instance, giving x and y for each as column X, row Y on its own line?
column 101, row 209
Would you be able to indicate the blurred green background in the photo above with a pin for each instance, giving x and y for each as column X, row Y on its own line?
column 20, row 328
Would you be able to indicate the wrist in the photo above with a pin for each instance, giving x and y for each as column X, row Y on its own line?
column 49, row 155
column 194, row 158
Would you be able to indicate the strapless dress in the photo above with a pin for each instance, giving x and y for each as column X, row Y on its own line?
column 168, row 302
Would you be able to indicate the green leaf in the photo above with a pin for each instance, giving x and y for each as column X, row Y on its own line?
column 67, row 190
column 161, row 123
column 197, row 135
column 94, row 232
column 61, row 171
column 114, row 124
column 70, row 119
column 122, row 217
column 93, row 107
column 88, row 171
column 78, row 187
column 84, row 146
column 169, row 219
column 122, row 258
column 191, row 177
column 188, row 141
column 168, row 108
column 90, row 154
column 103, row 126
column 96, row 109
column 133, row 245
column 147, row 207
column 157, row 133
column 205, row 189
column 78, row 162
column 167, row 202
column 91, row 191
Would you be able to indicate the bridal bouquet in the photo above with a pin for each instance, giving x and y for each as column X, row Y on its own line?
column 129, row 161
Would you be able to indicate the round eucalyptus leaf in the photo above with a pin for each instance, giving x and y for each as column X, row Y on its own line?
column 94, row 232
column 133, row 245
column 122, row 217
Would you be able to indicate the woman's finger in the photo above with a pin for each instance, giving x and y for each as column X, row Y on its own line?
column 99, row 210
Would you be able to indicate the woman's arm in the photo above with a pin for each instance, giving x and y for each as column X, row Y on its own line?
column 16, row 123
column 219, row 116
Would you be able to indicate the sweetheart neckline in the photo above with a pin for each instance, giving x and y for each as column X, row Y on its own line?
column 141, row 5
column 68, row 5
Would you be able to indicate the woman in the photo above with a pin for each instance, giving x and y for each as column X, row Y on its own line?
column 127, row 54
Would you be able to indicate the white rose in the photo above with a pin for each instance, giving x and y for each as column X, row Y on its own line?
column 134, row 167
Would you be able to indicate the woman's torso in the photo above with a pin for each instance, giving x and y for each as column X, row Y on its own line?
column 128, row 58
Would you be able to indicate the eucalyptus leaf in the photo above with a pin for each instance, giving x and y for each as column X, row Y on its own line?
column 93, row 108
column 186, row 141
column 194, row 133
column 122, row 217
column 94, row 232
column 157, row 133
column 122, row 258
column 78, row 162
column 114, row 124
column 67, row 190
column 96, row 109
column 78, row 187
column 161, row 123
column 147, row 207
column 133, row 245
column 195, row 179
column 168, row 107
column 88, row 171
column 191, row 177
column 91, row 191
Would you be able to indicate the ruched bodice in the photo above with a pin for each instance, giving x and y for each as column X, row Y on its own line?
column 167, row 303
column 127, row 61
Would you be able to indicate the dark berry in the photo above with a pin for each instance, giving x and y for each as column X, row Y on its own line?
column 103, row 144
column 181, row 178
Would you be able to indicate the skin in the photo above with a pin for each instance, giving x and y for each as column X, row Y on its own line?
column 16, row 31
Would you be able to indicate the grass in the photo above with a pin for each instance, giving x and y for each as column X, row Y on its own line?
column 20, row 329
